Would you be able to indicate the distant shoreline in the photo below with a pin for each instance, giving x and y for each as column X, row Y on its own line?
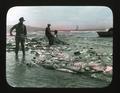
column 32, row 28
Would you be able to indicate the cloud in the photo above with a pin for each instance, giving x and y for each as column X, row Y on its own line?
column 62, row 15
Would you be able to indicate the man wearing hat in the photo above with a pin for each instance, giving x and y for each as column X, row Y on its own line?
column 49, row 35
column 20, row 36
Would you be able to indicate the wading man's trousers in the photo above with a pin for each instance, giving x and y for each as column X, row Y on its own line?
column 21, row 41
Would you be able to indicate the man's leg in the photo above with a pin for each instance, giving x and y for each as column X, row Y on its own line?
column 17, row 46
column 51, row 40
column 23, row 46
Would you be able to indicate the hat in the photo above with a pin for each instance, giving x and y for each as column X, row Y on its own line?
column 21, row 19
column 49, row 24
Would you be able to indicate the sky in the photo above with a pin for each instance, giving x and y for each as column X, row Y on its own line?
column 62, row 17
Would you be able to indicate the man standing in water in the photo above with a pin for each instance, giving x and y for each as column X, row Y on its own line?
column 21, row 33
column 49, row 35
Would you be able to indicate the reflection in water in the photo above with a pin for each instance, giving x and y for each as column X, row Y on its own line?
column 23, row 59
column 18, row 72
column 17, row 59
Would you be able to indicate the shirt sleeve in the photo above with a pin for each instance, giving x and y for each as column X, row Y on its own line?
column 12, row 29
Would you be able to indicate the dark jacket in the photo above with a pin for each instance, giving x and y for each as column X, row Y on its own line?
column 48, row 33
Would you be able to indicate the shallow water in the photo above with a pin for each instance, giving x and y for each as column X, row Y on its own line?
column 20, row 75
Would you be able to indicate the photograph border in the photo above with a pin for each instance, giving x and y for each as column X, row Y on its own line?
column 11, row 3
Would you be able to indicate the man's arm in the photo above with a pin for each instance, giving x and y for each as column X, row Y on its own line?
column 25, row 31
column 12, row 30
column 52, row 30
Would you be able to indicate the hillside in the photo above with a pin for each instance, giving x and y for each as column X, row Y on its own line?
column 29, row 28
column 35, row 29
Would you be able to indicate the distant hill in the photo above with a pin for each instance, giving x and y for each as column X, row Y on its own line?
column 35, row 29
column 29, row 28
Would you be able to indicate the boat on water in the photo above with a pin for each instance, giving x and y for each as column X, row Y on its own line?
column 108, row 33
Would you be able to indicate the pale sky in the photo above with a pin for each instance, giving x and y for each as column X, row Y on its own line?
column 62, row 17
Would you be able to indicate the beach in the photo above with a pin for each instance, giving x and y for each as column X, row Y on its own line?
column 85, row 60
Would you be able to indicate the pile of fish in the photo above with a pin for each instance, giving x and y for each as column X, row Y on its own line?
column 63, row 58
